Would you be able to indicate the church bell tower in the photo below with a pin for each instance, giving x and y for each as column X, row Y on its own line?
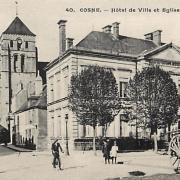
column 18, row 58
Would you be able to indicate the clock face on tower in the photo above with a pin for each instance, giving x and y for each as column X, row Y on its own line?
column 19, row 40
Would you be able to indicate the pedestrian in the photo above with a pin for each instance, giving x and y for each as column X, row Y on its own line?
column 106, row 152
column 55, row 152
column 113, row 152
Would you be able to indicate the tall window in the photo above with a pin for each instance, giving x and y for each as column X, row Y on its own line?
column 17, row 124
column 21, row 85
column 11, row 43
column 18, row 46
column 122, row 89
column 52, row 126
column 15, row 62
column 57, row 86
column 120, row 128
column 179, row 125
column 84, row 130
column 65, row 86
column 65, row 79
column 178, row 88
column 51, row 88
column 59, row 125
column 26, row 44
column 22, row 63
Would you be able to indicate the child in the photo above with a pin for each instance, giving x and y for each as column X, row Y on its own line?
column 113, row 153
column 106, row 152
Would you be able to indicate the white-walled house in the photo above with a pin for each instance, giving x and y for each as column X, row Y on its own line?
column 107, row 48
column 30, row 117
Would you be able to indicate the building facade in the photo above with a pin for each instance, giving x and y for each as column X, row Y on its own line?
column 107, row 48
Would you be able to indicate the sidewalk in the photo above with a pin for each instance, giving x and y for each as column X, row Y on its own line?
column 80, row 166
column 18, row 149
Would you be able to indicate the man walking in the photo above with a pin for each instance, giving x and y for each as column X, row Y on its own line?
column 55, row 151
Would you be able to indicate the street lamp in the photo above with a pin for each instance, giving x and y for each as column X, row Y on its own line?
column 9, row 118
column 67, row 148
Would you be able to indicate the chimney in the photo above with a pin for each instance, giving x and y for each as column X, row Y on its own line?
column 62, row 36
column 155, row 37
column 115, row 26
column 69, row 42
column 107, row 29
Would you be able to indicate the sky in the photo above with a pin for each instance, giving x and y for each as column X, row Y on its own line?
column 41, row 17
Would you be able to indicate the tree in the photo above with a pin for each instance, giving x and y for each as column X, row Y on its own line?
column 94, row 97
column 154, row 95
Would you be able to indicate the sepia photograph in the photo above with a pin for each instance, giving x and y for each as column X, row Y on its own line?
column 89, row 89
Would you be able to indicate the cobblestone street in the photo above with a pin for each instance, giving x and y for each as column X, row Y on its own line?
column 37, row 166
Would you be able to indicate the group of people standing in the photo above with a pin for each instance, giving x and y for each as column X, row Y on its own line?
column 109, row 152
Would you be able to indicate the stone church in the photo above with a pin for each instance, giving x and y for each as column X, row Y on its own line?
column 19, row 68
column 18, row 58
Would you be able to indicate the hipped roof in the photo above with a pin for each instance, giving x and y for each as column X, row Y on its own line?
column 109, row 43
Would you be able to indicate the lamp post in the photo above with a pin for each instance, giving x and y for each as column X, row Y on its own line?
column 67, row 148
column 35, row 127
column 8, row 139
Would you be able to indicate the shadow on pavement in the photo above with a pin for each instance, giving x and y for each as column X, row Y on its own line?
column 137, row 173
column 73, row 167
column 2, row 172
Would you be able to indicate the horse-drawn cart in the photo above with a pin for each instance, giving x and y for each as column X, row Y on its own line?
column 174, row 150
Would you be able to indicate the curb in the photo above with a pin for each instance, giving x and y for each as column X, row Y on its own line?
column 18, row 149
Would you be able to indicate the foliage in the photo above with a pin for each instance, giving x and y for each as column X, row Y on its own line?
column 155, row 98
column 94, row 96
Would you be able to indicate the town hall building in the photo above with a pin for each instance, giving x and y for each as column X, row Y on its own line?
column 107, row 48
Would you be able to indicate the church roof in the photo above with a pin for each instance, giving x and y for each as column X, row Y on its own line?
column 18, row 27
column 122, row 44
column 2, row 128
column 39, row 102
column 42, row 101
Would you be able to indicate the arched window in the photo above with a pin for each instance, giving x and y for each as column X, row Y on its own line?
column 19, row 43
column 22, row 63
column 15, row 62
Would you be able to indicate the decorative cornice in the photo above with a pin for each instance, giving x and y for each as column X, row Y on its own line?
column 57, row 101
column 92, row 53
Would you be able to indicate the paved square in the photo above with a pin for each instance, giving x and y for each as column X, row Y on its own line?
column 81, row 165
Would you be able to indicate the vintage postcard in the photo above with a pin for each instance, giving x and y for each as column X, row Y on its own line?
column 89, row 89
